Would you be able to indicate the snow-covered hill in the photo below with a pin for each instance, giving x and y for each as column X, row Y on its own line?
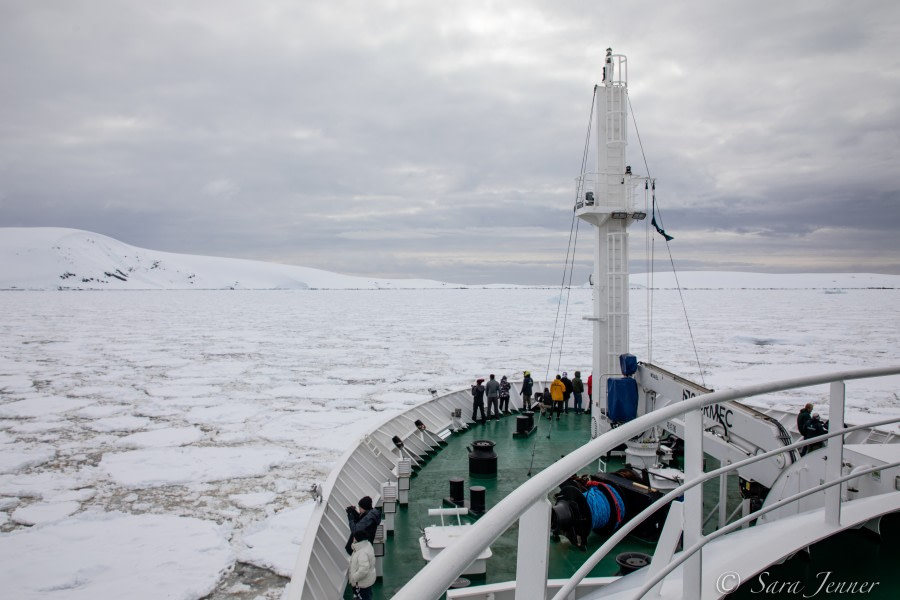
column 51, row 258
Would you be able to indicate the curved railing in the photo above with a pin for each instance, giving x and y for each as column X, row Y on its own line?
column 439, row 574
column 322, row 562
column 635, row 521
column 696, row 547
column 320, row 570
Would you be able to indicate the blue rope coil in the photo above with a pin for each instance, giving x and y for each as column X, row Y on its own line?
column 599, row 506
column 601, row 511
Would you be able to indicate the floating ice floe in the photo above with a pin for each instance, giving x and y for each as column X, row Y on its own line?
column 44, row 512
column 40, row 407
column 161, row 438
column 96, row 555
column 253, row 499
column 14, row 460
column 126, row 423
column 225, row 413
column 157, row 467
column 274, row 543
column 329, row 429
column 40, row 427
column 47, row 484
column 100, row 411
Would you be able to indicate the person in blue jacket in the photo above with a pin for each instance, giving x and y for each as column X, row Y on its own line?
column 527, row 390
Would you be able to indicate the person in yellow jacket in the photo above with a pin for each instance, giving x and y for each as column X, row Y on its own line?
column 557, row 393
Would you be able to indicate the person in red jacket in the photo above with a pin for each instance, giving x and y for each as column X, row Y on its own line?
column 590, row 386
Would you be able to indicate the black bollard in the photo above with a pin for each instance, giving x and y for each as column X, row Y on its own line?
column 476, row 499
column 522, row 424
column 482, row 458
column 457, row 491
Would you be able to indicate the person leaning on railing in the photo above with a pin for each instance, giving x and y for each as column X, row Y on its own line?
column 364, row 519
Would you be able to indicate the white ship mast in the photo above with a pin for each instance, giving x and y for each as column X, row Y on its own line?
column 606, row 201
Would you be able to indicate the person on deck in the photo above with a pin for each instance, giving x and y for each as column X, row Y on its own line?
column 492, row 391
column 590, row 387
column 504, row 395
column 577, row 392
column 363, row 520
column 478, row 400
column 803, row 422
column 362, row 574
column 816, row 428
column 568, row 392
column 527, row 389
column 557, row 394
column 545, row 402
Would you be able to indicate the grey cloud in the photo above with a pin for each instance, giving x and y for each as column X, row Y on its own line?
column 442, row 141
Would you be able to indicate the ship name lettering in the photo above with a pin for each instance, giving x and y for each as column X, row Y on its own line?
column 719, row 414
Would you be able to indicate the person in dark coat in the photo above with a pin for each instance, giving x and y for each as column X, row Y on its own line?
column 547, row 403
column 478, row 400
column 492, row 391
column 578, row 392
column 363, row 520
column 504, row 395
column 568, row 391
column 527, row 389
column 803, row 421
column 816, row 428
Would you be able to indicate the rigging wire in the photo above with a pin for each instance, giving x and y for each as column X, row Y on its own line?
column 570, row 251
column 559, row 302
column 562, row 336
column 573, row 232
column 668, row 248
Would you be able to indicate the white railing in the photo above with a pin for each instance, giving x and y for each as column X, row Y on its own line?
column 691, row 551
column 529, row 502
column 320, row 572
column 635, row 521
column 587, row 184
column 322, row 563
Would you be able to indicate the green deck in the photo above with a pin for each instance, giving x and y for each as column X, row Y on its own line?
column 868, row 561
column 430, row 485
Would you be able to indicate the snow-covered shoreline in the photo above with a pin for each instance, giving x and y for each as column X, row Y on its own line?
column 51, row 258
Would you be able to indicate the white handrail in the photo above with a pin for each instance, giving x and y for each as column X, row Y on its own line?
column 635, row 521
column 433, row 580
column 688, row 552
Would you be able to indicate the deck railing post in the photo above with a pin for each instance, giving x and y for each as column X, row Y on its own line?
column 671, row 534
column 693, row 501
column 834, row 454
column 723, row 498
column 533, row 556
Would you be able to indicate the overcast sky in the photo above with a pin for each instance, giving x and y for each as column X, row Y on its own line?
column 441, row 139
